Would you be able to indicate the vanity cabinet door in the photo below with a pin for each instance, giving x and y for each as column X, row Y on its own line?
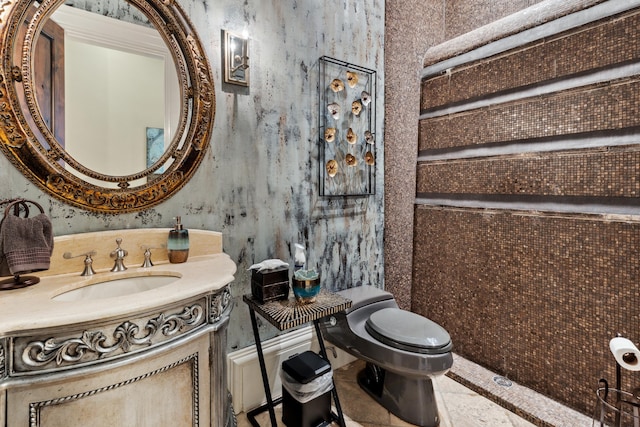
column 167, row 389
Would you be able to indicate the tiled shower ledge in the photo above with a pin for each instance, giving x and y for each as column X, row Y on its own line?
column 528, row 404
column 543, row 19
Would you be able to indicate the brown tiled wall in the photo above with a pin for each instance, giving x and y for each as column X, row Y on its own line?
column 465, row 15
column 549, row 174
column 588, row 109
column 535, row 295
column 532, row 297
column 598, row 47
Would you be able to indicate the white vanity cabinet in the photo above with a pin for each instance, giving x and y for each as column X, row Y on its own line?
column 160, row 369
column 152, row 358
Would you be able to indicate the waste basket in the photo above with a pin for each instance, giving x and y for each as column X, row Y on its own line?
column 307, row 381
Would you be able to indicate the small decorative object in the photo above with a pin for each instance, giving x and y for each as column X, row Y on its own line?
column 368, row 136
column 369, row 159
column 352, row 79
column 305, row 285
column 337, row 85
column 330, row 134
column 334, row 110
column 356, row 107
column 352, row 138
column 332, row 168
column 270, row 284
column 347, row 123
column 365, row 98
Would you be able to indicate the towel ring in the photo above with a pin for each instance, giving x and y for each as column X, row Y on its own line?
column 17, row 281
column 20, row 203
column 16, row 203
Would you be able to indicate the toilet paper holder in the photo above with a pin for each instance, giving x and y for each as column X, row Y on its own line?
column 615, row 402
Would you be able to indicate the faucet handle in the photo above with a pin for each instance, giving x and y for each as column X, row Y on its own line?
column 118, row 255
column 88, row 261
column 147, row 255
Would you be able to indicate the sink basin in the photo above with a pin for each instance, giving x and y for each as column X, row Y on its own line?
column 117, row 287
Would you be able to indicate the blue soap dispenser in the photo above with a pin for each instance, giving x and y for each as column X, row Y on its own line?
column 178, row 243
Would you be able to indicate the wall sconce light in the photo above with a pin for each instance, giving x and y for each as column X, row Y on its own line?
column 236, row 59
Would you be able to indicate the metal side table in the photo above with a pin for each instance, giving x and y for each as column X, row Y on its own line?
column 285, row 315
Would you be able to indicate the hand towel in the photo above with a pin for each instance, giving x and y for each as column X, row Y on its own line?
column 25, row 244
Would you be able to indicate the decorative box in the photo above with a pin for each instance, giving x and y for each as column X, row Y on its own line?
column 270, row 285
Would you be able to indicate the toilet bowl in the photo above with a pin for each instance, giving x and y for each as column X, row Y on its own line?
column 403, row 351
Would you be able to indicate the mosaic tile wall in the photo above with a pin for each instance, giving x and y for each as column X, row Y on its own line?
column 549, row 174
column 596, row 108
column 534, row 295
column 606, row 44
column 465, row 15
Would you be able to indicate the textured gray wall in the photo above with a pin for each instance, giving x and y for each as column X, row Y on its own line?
column 258, row 183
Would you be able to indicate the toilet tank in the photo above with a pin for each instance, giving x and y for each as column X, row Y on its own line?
column 365, row 295
column 339, row 328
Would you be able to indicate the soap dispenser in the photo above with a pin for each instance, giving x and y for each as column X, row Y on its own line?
column 178, row 243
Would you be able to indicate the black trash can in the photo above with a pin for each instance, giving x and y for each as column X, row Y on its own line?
column 307, row 381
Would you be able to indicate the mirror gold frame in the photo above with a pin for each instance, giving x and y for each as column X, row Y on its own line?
column 27, row 142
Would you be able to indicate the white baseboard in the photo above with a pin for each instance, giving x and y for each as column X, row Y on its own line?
column 245, row 379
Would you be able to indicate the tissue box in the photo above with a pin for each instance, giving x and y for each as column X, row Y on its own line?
column 270, row 285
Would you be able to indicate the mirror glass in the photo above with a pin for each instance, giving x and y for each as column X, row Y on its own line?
column 117, row 122
column 105, row 114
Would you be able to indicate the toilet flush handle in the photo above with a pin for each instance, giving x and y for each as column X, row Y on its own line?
column 329, row 322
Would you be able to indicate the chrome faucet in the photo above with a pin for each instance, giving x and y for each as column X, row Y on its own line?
column 119, row 254
column 88, row 261
column 147, row 255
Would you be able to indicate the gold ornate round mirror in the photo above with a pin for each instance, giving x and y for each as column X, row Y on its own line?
column 36, row 147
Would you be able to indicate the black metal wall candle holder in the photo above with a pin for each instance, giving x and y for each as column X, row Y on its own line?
column 347, row 129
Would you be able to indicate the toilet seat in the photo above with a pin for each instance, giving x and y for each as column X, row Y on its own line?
column 408, row 331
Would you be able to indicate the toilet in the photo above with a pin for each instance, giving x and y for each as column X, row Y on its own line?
column 403, row 351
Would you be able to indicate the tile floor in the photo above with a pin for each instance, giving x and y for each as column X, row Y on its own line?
column 459, row 406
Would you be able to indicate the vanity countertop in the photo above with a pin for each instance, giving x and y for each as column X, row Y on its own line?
column 27, row 309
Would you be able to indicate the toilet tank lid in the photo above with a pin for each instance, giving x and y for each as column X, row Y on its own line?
column 364, row 295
